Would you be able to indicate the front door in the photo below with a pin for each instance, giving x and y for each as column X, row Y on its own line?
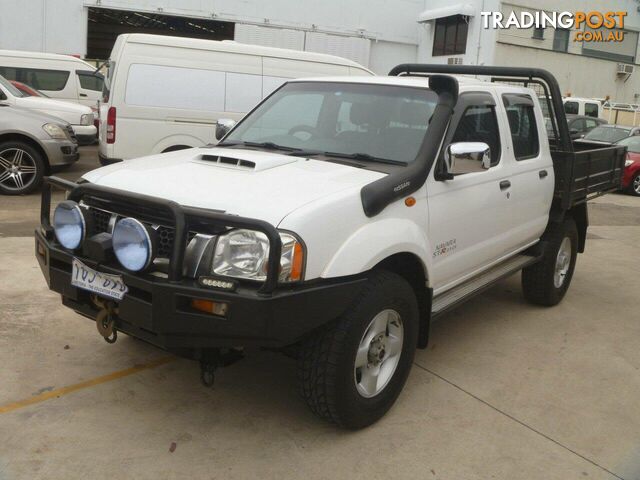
column 469, row 214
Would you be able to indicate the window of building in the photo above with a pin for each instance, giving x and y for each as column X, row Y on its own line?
column 571, row 108
column 538, row 33
column 591, row 110
column 522, row 124
column 479, row 124
column 450, row 36
column 561, row 39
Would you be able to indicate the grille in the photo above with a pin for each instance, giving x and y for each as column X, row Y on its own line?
column 165, row 237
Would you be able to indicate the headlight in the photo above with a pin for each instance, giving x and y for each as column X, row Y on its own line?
column 86, row 119
column 54, row 131
column 628, row 162
column 69, row 224
column 245, row 253
column 133, row 244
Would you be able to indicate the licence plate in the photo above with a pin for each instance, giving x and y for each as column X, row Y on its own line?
column 104, row 284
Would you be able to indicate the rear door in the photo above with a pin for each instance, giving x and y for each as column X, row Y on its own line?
column 532, row 174
column 469, row 216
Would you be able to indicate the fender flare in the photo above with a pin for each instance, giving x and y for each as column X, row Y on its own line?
column 377, row 241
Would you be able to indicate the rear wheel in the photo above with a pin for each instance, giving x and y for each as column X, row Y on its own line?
column 634, row 186
column 546, row 282
column 352, row 372
column 21, row 168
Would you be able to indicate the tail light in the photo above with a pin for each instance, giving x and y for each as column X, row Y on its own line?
column 111, row 125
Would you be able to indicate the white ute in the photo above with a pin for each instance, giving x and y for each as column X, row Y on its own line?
column 332, row 223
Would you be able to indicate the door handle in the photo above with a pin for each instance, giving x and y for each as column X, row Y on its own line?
column 83, row 94
column 504, row 184
column 543, row 173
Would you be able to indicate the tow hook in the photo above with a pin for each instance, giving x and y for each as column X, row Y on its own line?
column 105, row 320
column 213, row 358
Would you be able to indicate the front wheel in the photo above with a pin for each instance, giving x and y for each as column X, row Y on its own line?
column 21, row 168
column 634, row 186
column 352, row 372
column 546, row 282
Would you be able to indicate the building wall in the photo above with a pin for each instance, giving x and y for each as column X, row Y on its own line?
column 375, row 30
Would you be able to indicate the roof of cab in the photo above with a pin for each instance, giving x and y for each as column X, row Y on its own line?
column 45, row 56
column 232, row 46
column 407, row 81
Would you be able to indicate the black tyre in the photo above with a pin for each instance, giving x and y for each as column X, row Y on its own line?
column 21, row 168
column 634, row 186
column 352, row 372
column 546, row 282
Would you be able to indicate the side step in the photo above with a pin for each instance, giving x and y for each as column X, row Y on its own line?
column 451, row 298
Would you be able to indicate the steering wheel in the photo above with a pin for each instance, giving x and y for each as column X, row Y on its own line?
column 303, row 129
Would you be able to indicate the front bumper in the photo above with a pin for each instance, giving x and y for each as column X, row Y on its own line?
column 60, row 152
column 85, row 134
column 159, row 311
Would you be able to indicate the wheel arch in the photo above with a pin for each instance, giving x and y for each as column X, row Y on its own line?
column 410, row 267
column 21, row 137
column 179, row 140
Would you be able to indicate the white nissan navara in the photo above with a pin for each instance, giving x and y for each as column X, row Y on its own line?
column 333, row 223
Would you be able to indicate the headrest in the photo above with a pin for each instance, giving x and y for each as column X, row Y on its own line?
column 414, row 113
column 360, row 113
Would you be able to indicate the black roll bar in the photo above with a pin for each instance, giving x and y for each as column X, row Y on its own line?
column 545, row 76
column 183, row 217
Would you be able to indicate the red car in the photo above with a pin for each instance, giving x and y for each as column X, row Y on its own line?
column 631, row 178
column 27, row 90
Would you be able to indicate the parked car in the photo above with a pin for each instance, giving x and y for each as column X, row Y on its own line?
column 587, row 107
column 631, row 178
column 59, row 76
column 166, row 93
column 610, row 134
column 32, row 144
column 580, row 125
column 27, row 90
column 79, row 116
column 334, row 221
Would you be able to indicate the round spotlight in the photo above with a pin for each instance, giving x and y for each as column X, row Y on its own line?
column 133, row 244
column 69, row 224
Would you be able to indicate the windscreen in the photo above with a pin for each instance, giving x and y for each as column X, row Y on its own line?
column 11, row 88
column 607, row 134
column 382, row 121
column 632, row 143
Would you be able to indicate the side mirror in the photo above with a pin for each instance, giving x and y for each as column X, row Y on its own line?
column 223, row 125
column 467, row 157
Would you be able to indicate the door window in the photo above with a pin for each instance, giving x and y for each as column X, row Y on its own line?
column 579, row 125
column 522, row 124
column 90, row 81
column 40, row 79
column 480, row 124
column 571, row 107
column 589, row 124
column 591, row 110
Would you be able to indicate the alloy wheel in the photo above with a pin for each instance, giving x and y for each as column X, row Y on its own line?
column 378, row 353
column 18, row 169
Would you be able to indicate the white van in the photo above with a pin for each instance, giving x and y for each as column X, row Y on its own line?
column 166, row 93
column 582, row 106
column 62, row 77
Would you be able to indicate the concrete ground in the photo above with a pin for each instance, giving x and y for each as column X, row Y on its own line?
column 506, row 390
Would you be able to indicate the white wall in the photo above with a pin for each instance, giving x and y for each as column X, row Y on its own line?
column 59, row 26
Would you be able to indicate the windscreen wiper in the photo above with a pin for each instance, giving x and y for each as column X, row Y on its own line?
column 267, row 145
column 366, row 157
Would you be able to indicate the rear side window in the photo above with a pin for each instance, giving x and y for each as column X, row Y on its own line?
column 591, row 110
column 571, row 107
column 89, row 81
column 40, row 79
column 522, row 124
